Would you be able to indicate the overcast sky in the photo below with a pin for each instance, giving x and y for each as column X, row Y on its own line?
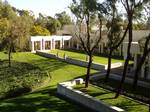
column 47, row 7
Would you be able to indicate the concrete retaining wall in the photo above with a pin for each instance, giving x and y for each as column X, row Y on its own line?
column 72, row 61
column 117, row 77
column 65, row 89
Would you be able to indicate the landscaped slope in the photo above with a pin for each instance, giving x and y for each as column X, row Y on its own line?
column 44, row 99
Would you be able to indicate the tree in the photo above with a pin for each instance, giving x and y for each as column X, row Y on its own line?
column 39, row 30
column 26, row 20
column 132, row 8
column 4, row 31
column 114, row 33
column 145, row 45
column 148, row 24
column 14, row 28
column 53, row 25
column 63, row 18
column 85, row 10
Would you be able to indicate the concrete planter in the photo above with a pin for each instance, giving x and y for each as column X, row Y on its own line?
column 65, row 89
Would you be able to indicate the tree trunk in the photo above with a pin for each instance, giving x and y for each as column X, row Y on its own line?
column 109, row 65
column 136, row 74
column 9, row 56
column 127, row 59
column 88, row 71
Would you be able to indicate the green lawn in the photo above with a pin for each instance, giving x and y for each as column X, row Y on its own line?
column 108, row 97
column 82, row 56
column 44, row 99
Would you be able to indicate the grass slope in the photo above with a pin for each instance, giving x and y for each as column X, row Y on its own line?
column 44, row 99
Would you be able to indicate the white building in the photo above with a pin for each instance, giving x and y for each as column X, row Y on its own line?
column 46, row 43
column 136, row 52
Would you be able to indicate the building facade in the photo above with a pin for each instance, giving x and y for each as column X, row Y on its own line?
column 46, row 43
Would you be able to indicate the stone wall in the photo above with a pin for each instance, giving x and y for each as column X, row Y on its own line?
column 65, row 89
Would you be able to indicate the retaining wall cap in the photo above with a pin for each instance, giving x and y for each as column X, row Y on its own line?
column 117, row 108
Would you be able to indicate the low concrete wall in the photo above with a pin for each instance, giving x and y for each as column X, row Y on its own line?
column 85, row 64
column 65, row 89
column 72, row 61
column 117, row 77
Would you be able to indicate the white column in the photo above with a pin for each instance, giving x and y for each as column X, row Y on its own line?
column 41, row 45
column 142, row 71
column 99, row 48
column 61, row 43
column 51, row 44
column 135, row 61
column 69, row 43
column 32, row 46
column 102, row 48
column 77, row 46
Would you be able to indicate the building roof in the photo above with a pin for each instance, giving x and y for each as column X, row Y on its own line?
column 49, row 38
column 138, row 35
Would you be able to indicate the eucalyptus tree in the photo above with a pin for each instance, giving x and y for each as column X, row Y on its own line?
column 132, row 8
column 115, row 34
column 85, row 11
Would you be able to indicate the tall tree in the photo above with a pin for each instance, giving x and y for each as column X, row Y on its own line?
column 26, row 22
column 85, row 10
column 132, row 7
column 115, row 37
column 53, row 25
column 145, row 45
column 63, row 18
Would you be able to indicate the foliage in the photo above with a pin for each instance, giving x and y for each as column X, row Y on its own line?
column 22, row 76
column 133, row 8
column 53, row 25
column 63, row 18
column 39, row 30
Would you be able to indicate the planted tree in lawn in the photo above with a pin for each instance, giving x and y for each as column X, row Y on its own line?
column 133, row 8
column 115, row 37
column 85, row 12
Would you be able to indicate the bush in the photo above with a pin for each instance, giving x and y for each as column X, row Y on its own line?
column 20, row 78
column 17, row 92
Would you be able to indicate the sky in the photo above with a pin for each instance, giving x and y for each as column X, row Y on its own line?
column 46, row 7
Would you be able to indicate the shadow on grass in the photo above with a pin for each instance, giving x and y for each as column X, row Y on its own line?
column 44, row 100
column 23, row 74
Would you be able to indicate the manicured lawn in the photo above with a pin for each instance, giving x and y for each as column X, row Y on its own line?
column 108, row 97
column 44, row 98
column 82, row 56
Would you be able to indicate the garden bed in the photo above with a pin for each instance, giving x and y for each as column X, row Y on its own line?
column 65, row 89
column 20, row 78
column 141, row 94
column 108, row 97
